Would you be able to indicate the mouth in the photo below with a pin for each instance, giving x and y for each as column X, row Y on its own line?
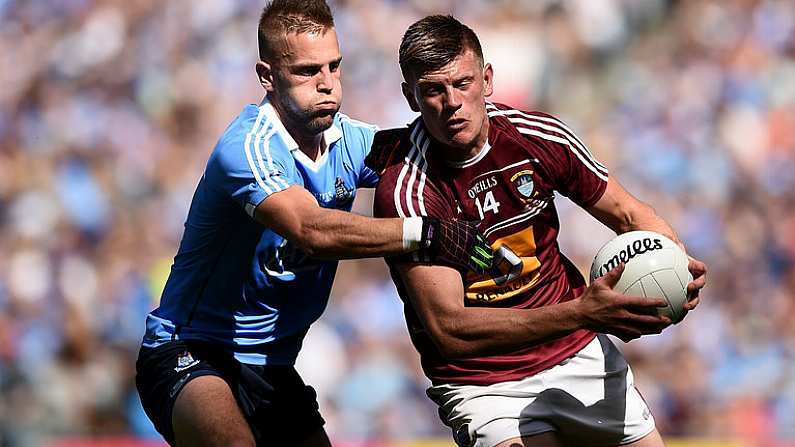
column 456, row 124
column 326, row 106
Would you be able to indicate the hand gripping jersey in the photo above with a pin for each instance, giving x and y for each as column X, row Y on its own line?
column 509, row 187
column 236, row 283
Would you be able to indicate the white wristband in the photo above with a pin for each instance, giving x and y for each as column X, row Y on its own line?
column 412, row 233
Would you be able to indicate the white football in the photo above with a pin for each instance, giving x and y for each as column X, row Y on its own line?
column 654, row 267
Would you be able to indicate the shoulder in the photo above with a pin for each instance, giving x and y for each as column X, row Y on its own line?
column 389, row 148
column 354, row 130
column 357, row 136
column 249, row 142
column 348, row 123
column 535, row 126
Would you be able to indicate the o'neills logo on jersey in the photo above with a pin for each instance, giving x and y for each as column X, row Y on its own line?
column 482, row 185
column 523, row 181
column 638, row 247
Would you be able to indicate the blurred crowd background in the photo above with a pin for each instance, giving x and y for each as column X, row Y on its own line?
column 109, row 109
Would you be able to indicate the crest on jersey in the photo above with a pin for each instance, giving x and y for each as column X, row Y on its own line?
column 523, row 181
column 342, row 193
column 185, row 361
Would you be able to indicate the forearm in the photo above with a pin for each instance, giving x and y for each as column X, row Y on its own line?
column 622, row 212
column 643, row 217
column 328, row 233
column 337, row 234
column 495, row 331
column 437, row 293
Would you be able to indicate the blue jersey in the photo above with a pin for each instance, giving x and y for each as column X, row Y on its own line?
column 236, row 283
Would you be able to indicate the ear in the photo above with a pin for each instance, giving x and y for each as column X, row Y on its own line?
column 410, row 98
column 265, row 75
column 488, row 79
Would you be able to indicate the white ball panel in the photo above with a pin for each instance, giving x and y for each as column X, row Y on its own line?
column 668, row 281
column 635, row 289
column 655, row 266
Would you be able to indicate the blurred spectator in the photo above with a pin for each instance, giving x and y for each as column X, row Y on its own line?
column 109, row 109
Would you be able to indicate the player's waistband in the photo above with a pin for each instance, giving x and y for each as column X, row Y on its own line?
column 268, row 349
column 496, row 369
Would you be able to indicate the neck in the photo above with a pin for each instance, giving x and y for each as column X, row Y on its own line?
column 310, row 144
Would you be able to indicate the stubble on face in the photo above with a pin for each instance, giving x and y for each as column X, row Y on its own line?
column 307, row 120
column 299, row 99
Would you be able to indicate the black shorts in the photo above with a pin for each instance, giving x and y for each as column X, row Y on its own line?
column 279, row 407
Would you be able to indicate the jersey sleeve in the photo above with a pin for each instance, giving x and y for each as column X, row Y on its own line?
column 406, row 191
column 250, row 171
column 359, row 140
column 367, row 177
column 574, row 171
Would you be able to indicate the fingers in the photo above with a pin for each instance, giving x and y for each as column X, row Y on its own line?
column 694, row 287
column 691, row 304
column 696, row 267
column 644, row 303
column 611, row 278
column 629, row 325
column 628, row 332
column 645, row 322
column 699, row 271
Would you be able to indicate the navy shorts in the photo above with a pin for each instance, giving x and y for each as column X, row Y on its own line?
column 279, row 407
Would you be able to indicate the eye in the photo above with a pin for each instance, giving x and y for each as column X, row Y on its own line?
column 334, row 66
column 463, row 84
column 308, row 71
column 431, row 91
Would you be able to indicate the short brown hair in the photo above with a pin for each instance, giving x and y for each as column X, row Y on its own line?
column 433, row 42
column 281, row 17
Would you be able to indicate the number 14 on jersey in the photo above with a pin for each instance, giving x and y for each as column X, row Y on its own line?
column 489, row 204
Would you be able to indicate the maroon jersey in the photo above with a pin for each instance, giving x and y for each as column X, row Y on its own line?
column 509, row 188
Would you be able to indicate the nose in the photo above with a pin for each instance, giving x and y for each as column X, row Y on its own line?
column 326, row 82
column 453, row 100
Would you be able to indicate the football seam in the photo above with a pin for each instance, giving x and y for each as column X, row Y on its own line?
column 667, row 300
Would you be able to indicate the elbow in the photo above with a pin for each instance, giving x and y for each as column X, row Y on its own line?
column 309, row 235
column 450, row 341
column 312, row 242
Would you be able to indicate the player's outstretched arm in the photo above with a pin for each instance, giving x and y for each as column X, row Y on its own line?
column 326, row 233
column 436, row 292
column 295, row 215
column 622, row 212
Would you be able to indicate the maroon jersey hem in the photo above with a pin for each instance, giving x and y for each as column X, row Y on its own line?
column 580, row 340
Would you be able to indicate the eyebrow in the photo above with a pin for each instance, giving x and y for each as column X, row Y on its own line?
column 300, row 66
column 426, row 82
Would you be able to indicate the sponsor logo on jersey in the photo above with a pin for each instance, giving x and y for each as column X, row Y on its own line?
column 638, row 247
column 185, row 361
column 523, row 181
column 342, row 193
column 482, row 185
column 515, row 271
column 509, row 290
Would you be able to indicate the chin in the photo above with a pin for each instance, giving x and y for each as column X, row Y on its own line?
column 320, row 124
column 461, row 139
